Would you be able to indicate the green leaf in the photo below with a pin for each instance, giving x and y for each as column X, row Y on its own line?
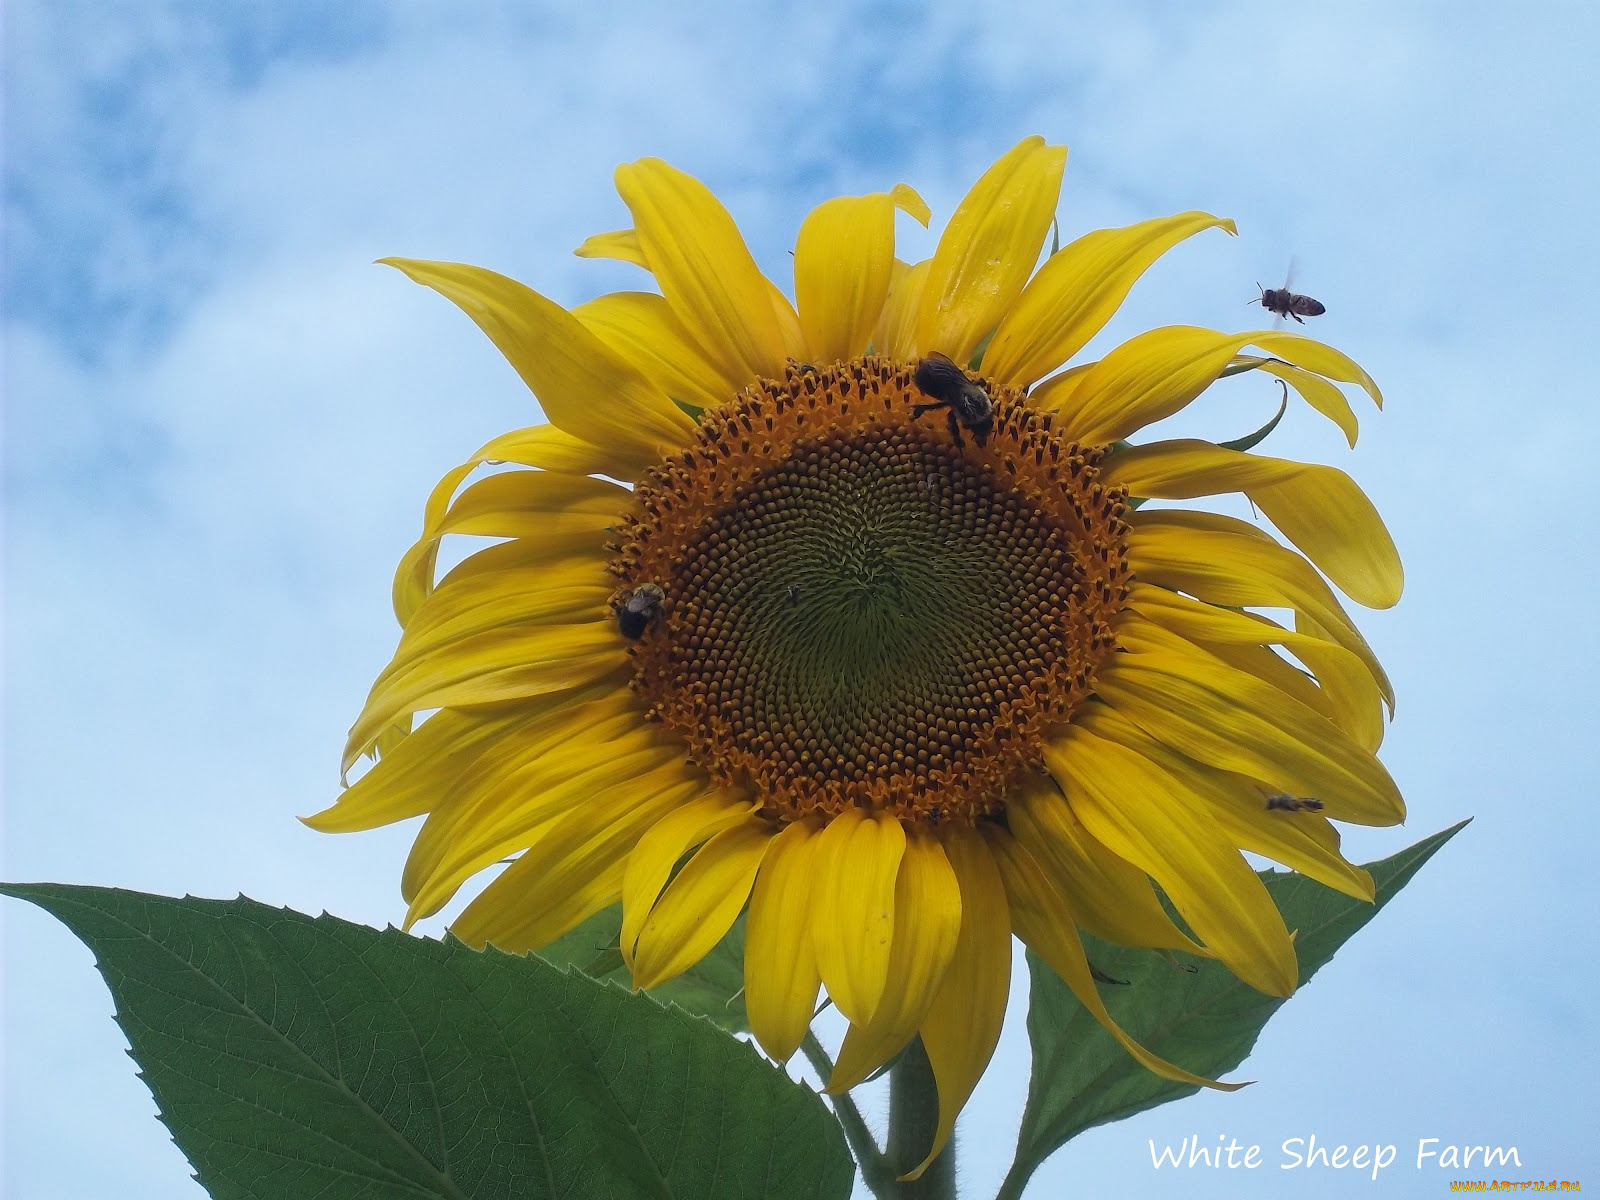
column 1193, row 1012
column 300, row 1057
column 712, row 988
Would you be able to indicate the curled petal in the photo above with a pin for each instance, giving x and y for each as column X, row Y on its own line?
column 1076, row 292
column 1320, row 509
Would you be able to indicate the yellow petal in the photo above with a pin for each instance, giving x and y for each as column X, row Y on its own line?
column 659, row 850
column 780, row 965
column 858, row 859
column 517, row 822
column 1347, row 693
column 1159, row 372
column 927, row 922
column 620, row 244
column 1147, row 816
column 503, row 600
column 1112, row 898
column 551, row 506
column 704, row 268
column 582, row 385
column 642, row 327
column 1306, row 842
column 574, row 870
column 407, row 780
column 843, row 260
column 1198, row 705
column 895, row 334
column 563, row 743
column 701, row 904
column 962, row 1024
column 1322, row 396
column 989, row 249
column 1320, row 509
column 1230, row 562
column 1076, row 292
column 1042, row 918
column 487, row 669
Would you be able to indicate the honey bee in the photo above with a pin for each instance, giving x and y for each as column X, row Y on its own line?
column 1282, row 803
column 640, row 608
column 793, row 592
column 1281, row 302
column 964, row 402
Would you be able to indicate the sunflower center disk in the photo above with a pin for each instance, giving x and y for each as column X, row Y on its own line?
column 861, row 612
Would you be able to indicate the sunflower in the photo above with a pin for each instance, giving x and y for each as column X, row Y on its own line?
column 849, row 612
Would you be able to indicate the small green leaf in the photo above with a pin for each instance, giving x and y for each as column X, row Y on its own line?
column 294, row 1056
column 712, row 988
column 1191, row 1011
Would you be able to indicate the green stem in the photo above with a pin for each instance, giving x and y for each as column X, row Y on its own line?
column 913, row 1121
column 875, row 1170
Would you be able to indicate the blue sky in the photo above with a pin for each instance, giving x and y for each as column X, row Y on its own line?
column 221, row 421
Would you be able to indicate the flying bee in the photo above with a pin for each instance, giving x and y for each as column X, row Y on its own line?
column 1282, row 803
column 1281, row 302
column 964, row 402
column 641, row 607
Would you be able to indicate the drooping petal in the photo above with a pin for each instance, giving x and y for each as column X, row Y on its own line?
column 927, row 922
column 1322, row 396
column 1230, row 562
column 1147, row 816
column 1111, row 898
column 582, row 385
column 567, row 741
column 575, row 869
column 1344, row 688
column 701, row 904
column 1305, row 842
column 643, row 327
column 407, row 781
column 512, row 825
column 1042, row 918
column 989, row 249
column 704, row 268
column 659, row 850
column 1319, row 509
column 962, row 1024
column 858, row 861
column 1197, row 704
column 1077, row 291
column 487, row 669
column 843, row 260
column 1157, row 373
column 780, row 964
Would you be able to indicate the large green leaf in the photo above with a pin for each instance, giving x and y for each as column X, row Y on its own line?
column 1191, row 1011
column 713, row 987
column 300, row 1057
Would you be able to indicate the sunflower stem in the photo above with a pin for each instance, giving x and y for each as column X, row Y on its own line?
column 875, row 1170
column 913, row 1121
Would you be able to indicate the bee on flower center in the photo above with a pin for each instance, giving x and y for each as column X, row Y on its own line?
column 964, row 402
column 640, row 608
